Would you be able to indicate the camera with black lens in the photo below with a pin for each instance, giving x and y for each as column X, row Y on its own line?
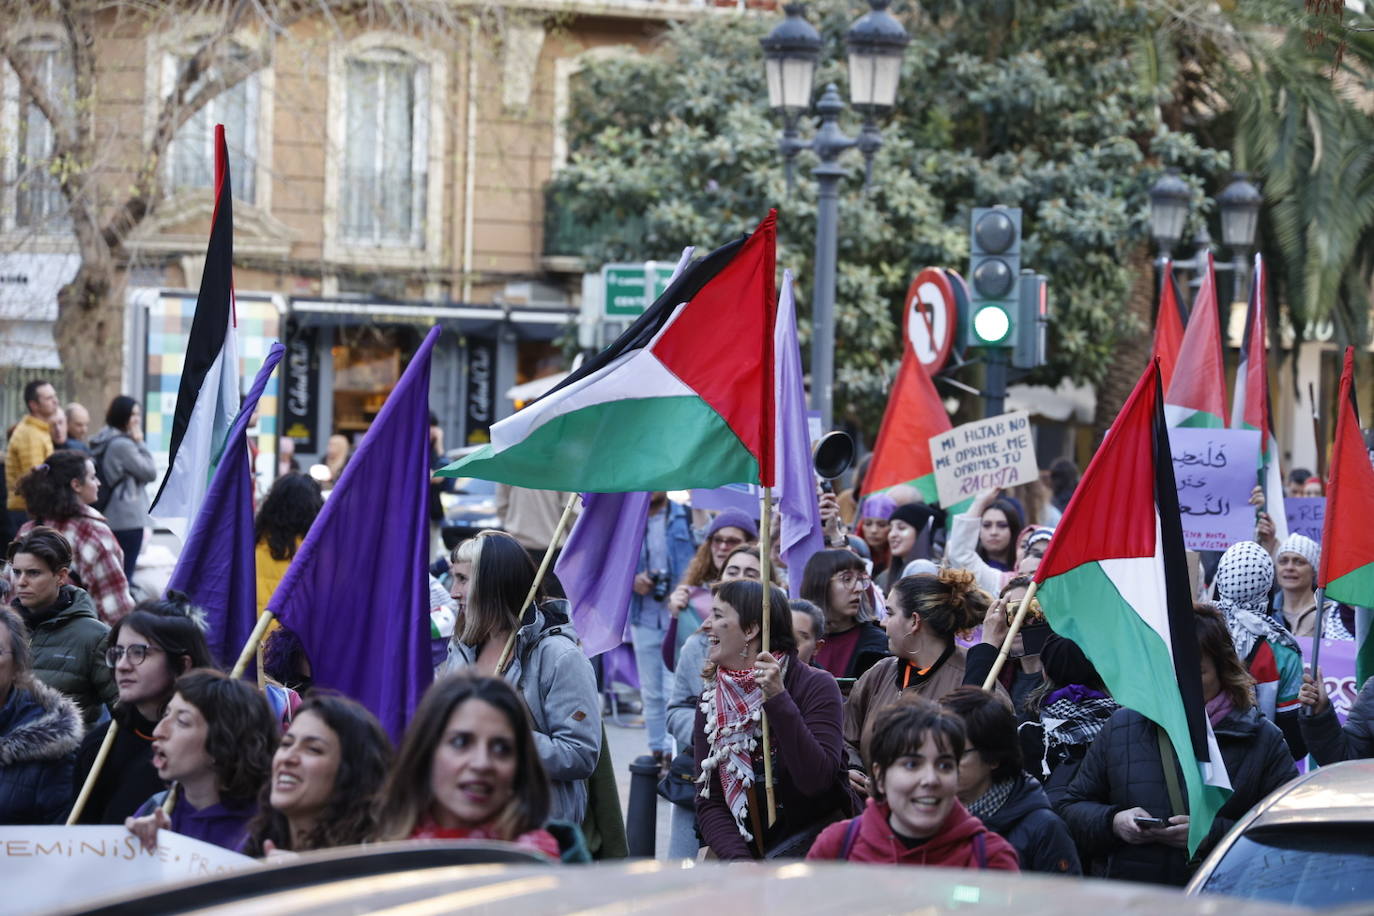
column 662, row 585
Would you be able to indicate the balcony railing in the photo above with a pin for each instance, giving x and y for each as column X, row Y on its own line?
column 609, row 236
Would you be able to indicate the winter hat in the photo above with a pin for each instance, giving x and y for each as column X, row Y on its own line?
column 917, row 515
column 920, row 567
column 1035, row 534
column 879, row 505
column 1303, row 546
column 734, row 518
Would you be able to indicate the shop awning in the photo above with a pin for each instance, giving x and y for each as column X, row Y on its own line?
column 526, row 322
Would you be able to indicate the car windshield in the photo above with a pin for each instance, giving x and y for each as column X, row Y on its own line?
column 1309, row 866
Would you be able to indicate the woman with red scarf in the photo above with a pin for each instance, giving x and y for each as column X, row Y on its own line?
column 803, row 708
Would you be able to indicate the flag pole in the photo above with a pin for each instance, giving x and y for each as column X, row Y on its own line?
column 766, row 578
column 1015, row 628
column 89, row 785
column 507, row 652
column 1317, row 639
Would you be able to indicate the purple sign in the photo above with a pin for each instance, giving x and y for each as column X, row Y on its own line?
column 1306, row 514
column 1338, row 671
column 742, row 496
column 1215, row 470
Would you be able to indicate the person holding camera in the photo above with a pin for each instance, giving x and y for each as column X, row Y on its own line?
column 664, row 555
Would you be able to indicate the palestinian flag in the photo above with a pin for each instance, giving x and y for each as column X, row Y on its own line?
column 1169, row 322
column 684, row 399
column 208, row 397
column 1250, row 408
column 1347, row 563
column 1196, row 395
column 1115, row 581
column 913, row 416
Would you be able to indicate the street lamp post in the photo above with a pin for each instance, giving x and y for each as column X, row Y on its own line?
column 875, row 44
column 1239, row 204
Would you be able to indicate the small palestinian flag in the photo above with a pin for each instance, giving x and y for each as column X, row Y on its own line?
column 913, row 416
column 1250, row 407
column 1169, row 323
column 1196, row 395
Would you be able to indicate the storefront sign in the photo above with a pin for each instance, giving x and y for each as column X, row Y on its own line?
column 1214, row 470
column 51, row 867
column 301, row 396
column 996, row 452
column 1306, row 515
column 479, row 400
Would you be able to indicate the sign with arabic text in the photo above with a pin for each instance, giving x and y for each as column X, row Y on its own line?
column 1215, row 470
column 996, row 452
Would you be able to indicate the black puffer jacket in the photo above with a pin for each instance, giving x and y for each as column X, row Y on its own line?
column 68, row 642
column 1027, row 822
column 1330, row 742
column 39, row 732
column 1123, row 770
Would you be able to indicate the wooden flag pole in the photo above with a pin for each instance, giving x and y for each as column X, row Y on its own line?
column 509, row 650
column 766, row 578
column 94, row 774
column 1015, row 628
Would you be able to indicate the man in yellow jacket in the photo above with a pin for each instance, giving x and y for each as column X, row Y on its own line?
column 30, row 445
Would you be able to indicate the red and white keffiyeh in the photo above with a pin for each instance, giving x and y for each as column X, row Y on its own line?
column 733, row 710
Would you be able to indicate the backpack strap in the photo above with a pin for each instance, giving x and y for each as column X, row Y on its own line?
column 980, row 849
column 851, row 833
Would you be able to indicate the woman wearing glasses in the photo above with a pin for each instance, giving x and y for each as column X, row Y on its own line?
column 149, row 649
column 39, row 732
column 730, row 530
column 924, row 614
column 837, row 581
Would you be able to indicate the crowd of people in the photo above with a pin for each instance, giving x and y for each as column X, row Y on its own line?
column 848, row 724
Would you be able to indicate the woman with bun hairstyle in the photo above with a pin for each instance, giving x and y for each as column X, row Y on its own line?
column 837, row 582
column 327, row 774
column 915, row 816
column 59, row 493
column 149, row 649
column 924, row 614
column 469, row 769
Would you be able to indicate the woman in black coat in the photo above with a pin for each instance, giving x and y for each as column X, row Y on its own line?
column 1122, row 777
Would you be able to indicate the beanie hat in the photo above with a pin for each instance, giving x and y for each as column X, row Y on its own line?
column 917, row 515
column 734, row 518
column 879, row 505
column 1303, row 546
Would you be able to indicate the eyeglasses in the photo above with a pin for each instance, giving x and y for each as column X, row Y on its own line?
column 724, row 541
column 850, row 579
column 137, row 653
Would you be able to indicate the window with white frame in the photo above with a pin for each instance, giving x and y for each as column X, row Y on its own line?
column 384, row 181
column 191, row 156
column 38, row 201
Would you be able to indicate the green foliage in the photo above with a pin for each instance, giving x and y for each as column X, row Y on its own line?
column 1037, row 105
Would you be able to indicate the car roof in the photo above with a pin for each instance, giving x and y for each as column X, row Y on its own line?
column 421, row 881
column 1340, row 792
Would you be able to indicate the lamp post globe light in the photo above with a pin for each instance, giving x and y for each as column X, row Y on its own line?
column 875, row 45
column 1239, row 204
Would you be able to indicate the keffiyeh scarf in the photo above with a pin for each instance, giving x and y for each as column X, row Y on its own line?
column 991, row 801
column 1244, row 577
column 733, row 710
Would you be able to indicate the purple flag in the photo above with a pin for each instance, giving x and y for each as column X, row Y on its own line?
column 597, row 566
column 357, row 593
column 216, row 567
column 801, row 516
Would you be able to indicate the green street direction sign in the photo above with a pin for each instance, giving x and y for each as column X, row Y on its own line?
column 629, row 289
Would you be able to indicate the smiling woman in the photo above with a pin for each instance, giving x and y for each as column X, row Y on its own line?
column 326, row 776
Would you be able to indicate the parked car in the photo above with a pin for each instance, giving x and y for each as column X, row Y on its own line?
column 469, row 507
column 1311, row 843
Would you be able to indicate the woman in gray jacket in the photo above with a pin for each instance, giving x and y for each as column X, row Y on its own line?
column 492, row 575
column 124, row 462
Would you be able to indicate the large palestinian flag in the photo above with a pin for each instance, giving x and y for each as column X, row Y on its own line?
column 1196, row 395
column 914, row 414
column 1170, row 320
column 684, row 399
column 1115, row 581
column 208, row 395
column 1250, row 408
column 1347, row 563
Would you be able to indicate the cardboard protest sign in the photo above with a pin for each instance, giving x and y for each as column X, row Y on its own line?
column 50, row 867
column 1306, row 514
column 1215, row 470
column 996, row 452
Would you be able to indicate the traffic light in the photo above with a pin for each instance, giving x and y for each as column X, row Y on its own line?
column 994, row 276
column 1031, row 322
